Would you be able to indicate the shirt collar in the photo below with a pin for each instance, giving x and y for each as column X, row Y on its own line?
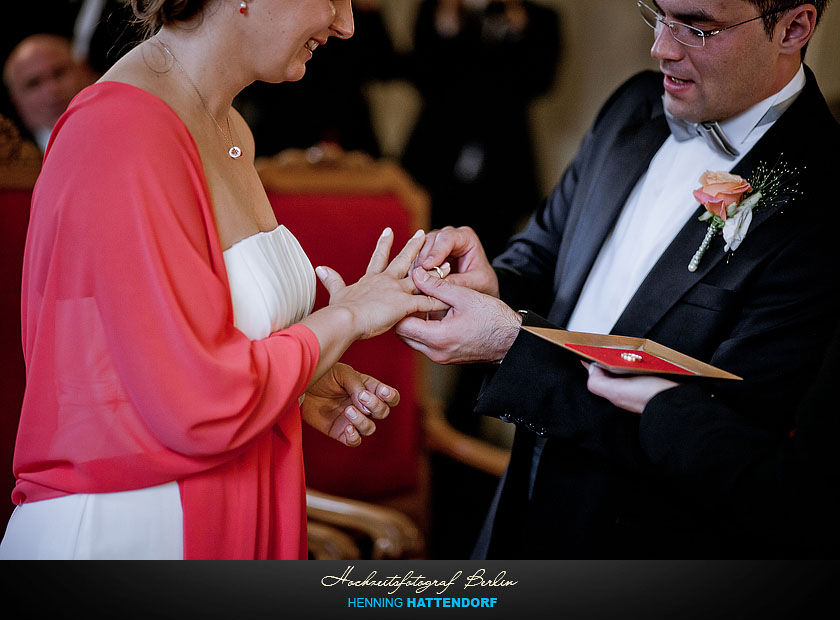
column 738, row 128
column 42, row 137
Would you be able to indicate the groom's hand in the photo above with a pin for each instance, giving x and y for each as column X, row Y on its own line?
column 476, row 328
column 461, row 248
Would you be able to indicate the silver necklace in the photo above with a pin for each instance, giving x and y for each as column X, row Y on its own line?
column 234, row 152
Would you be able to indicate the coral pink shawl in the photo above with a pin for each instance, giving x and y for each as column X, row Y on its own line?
column 136, row 375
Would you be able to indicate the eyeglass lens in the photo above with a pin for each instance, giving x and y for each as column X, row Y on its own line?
column 683, row 33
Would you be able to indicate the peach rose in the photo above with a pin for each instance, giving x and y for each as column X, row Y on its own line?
column 719, row 190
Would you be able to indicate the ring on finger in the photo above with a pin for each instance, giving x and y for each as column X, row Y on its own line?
column 440, row 273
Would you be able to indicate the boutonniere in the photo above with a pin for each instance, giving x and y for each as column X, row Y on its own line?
column 729, row 201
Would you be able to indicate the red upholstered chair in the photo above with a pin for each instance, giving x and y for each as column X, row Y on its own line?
column 20, row 163
column 337, row 207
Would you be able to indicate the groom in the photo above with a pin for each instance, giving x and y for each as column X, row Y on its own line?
column 609, row 252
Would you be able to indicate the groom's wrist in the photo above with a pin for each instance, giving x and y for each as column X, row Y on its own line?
column 507, row 334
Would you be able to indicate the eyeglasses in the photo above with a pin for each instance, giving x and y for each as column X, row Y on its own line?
column 685, row 34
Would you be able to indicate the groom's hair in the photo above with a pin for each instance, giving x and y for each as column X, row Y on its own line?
column 773, row 9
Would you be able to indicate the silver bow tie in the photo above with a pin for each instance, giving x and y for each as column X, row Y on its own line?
column 710, row 131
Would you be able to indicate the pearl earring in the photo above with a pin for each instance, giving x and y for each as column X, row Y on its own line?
column 243, row 7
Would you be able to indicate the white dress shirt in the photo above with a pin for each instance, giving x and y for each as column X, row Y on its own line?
column 657, row 209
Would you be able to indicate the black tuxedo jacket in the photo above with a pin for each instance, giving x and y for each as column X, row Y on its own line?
column 761, row 312
column 778, row 490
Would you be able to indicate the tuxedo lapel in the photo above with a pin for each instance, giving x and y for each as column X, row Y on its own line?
column 774, row 150
column 670, row 279
column 630, row 157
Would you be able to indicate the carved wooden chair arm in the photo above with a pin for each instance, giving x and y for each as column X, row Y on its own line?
column 330, row 543
column 393, row 534
column 442, row 437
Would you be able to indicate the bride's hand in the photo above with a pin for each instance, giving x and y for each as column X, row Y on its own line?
column 384, row 295
column 343, row 402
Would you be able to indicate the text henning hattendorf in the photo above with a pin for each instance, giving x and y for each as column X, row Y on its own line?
column 419, row 581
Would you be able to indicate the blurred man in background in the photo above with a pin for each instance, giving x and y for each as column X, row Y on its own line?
column 41, row 77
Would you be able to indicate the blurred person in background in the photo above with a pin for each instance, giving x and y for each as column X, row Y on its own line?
column 42, row 76
column 479, row 66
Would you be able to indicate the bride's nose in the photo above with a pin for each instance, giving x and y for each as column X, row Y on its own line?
column 342, row 25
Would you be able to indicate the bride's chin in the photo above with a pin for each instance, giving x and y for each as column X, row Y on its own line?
column 295, row 72
column 287, row 75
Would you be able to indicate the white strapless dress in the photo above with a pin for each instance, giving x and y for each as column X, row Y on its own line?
column 272, row 285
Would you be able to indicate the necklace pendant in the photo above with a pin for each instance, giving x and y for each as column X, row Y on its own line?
column 235, row 152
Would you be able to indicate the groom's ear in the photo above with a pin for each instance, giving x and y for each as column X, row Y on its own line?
column 796, row 28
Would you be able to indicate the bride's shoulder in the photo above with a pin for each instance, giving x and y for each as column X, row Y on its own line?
column 144, row 67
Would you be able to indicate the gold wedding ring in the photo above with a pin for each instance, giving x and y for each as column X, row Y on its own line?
column 440, row 273
column 631, row 357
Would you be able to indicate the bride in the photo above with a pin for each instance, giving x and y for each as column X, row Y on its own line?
column 170, row 346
